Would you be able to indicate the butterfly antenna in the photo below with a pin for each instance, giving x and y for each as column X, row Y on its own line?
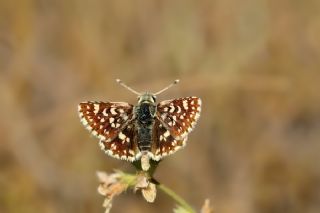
column 127, row 87
column 173, row 83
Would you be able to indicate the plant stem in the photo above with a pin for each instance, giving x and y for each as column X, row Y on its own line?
column 176, row 197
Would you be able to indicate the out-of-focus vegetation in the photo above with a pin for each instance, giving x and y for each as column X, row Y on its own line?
column 255, row 64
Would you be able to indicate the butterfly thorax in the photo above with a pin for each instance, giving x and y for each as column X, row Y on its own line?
column 145, row 114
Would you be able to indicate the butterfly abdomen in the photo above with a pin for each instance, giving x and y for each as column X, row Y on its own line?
column 145, row 120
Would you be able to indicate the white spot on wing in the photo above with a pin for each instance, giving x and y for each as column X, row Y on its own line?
column 166, row 134
column 113, row 146
column 171, row 109
column 185, row 104
column 102, row 146
column 122, row 136
column 179, row 109
column 84, row 121
column 113, row 111
column 197, row 116
column 102, row 137
column 96, row 108
column 89, row 128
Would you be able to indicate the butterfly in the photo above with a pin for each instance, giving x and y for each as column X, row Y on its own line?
column 142, row 132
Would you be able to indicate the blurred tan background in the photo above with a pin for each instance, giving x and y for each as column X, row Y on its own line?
column 255, row 64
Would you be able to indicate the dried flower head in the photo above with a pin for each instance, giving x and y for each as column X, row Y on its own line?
column 148, row 188
column 110, row 186
column 115, row 183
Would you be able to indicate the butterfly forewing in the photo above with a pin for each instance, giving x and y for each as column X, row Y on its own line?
column 179, row 116
column 105, row 119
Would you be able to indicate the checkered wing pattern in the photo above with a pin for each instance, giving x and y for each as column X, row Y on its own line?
column 124, row 146
column 164, row 143
column 175, row 120
column 111, row 123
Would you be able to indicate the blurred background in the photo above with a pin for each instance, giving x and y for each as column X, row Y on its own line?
column 254, row 63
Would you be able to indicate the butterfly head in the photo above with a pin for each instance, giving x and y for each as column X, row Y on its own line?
column 147, row 98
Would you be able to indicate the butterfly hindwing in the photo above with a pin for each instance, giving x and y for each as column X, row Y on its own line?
column 124, row 146
column 163, row 142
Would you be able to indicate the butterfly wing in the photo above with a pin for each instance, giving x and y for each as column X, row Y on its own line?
column 111, row 122
column 164, row 143
column 179, row 116
column 124, row 146
column 175, row 120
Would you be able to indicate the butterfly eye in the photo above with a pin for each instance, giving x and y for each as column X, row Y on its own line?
column 154, row 98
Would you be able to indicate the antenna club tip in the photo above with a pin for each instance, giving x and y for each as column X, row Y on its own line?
column 118, row 80
column 176, row 81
